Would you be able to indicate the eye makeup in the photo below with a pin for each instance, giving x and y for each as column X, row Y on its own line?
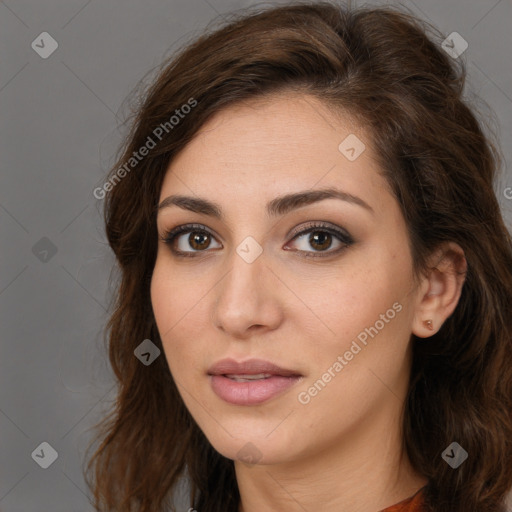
column 325, row 231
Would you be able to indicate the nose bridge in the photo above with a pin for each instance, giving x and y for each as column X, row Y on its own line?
column 243, row 297
column 246, row 258
column 245, row 279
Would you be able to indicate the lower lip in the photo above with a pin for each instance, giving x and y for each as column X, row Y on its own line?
column 252, row 392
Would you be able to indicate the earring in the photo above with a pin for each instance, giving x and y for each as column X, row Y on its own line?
column 428, row 325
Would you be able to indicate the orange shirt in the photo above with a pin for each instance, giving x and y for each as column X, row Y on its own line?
column 412, row 504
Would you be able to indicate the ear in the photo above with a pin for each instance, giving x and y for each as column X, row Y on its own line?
column 440, row 289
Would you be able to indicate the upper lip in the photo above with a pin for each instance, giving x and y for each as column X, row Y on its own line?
column 249, row 367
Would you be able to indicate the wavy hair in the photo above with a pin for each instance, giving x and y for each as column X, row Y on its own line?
column 386, row 68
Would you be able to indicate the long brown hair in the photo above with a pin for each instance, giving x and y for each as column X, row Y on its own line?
column 387, row 69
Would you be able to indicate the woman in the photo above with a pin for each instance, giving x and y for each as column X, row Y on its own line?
column 304, row 219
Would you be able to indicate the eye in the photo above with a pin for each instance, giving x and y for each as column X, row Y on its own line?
column 322, row 236
column 199, row 239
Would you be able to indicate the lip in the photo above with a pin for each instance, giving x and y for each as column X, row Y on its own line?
column 249, row 367
column 254, row 392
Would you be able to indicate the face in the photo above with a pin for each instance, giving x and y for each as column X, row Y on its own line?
column 318, row 289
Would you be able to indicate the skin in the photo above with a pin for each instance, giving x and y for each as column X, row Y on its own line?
column 342, row 448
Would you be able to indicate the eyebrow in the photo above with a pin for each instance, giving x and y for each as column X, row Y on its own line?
column 278, row 206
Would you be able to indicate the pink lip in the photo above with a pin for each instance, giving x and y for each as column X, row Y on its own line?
column 249, row 367
column 253, row 392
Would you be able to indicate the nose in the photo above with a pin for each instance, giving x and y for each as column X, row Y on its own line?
column 248, row 298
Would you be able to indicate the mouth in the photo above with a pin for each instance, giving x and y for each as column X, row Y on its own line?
column 252, row 368
column 250, row 382
column 248, row 377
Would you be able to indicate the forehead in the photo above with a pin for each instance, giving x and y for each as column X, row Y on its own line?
column 269, row 146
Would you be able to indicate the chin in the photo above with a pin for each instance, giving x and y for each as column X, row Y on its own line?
column 253, row 445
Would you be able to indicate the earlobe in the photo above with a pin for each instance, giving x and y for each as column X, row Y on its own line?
column 440, row 290
column 429, row 325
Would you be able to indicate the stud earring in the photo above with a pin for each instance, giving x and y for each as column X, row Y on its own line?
column 428, row 324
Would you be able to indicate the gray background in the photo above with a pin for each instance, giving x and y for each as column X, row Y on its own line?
column 59, row 125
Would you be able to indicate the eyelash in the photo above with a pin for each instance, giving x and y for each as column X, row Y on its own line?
column 170, row 236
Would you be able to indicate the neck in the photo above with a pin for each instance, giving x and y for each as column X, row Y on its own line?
column 366, row 470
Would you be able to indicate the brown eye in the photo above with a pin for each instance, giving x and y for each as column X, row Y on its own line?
column 320, row 240
column 198, row 240
column 312, row 242
column 315, row 241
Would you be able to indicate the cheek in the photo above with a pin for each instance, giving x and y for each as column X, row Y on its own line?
column 163, row 299
column 364, row 302
column 357, row 293
column 176, row 295
column 179, row 315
